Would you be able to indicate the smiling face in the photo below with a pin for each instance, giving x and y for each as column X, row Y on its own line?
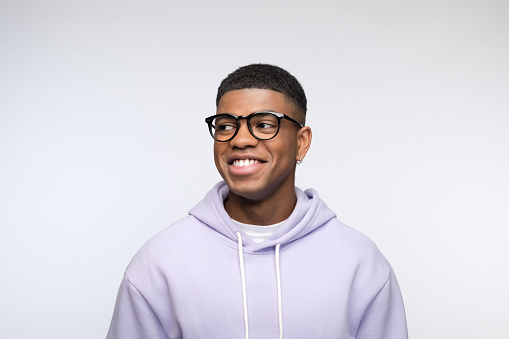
column 260, row 169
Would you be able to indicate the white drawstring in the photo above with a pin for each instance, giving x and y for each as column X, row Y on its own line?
column 243, row 277
column 279, row 303
column 244, row 294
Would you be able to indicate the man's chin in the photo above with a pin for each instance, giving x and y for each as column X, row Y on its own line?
column 247, row 191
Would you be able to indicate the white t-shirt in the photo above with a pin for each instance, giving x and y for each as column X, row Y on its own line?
column 256, row 232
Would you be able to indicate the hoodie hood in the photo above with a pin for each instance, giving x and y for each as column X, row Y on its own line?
column 309, row 213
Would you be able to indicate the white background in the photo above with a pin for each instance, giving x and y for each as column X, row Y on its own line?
column 103, row 143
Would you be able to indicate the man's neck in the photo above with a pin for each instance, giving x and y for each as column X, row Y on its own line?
column 269, row 211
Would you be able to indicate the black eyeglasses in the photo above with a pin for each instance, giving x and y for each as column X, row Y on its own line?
column 261, row 125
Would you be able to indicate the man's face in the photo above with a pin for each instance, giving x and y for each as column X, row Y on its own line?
column 257, row 169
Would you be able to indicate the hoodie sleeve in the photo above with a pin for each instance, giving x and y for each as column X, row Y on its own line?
column 133, row 317
column 385, row 316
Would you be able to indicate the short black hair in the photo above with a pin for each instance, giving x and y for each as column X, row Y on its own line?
column 265, row 76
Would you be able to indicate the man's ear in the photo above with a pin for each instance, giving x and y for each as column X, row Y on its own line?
column 303, row 142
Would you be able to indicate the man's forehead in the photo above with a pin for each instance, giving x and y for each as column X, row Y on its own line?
column 254, row 99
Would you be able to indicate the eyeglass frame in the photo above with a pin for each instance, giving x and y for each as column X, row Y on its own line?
column 237, row 118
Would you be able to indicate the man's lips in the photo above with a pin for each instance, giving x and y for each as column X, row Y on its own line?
column 244, row 165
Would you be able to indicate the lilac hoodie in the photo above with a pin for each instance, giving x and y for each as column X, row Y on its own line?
column 314, row 278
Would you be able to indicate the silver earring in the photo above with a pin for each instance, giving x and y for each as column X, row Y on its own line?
column 301, row 159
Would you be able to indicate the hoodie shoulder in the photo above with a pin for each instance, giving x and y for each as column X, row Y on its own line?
column 167, row 245
column 360, row 249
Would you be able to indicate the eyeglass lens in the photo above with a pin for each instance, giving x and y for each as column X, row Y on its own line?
column 263, row 126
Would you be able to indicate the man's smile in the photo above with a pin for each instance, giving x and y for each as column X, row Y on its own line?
column 245, row 167
column 246, row 162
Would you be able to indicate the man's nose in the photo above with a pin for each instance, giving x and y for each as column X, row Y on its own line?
column 244, row 138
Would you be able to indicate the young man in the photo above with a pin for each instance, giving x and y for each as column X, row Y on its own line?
column 258, row 257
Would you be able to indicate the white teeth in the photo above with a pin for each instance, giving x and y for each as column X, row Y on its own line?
column 242, row 163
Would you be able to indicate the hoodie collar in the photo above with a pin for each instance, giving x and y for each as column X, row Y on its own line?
column 309, row 213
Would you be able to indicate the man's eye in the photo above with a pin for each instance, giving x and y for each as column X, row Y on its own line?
column 225, row 127
column 265, row 125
